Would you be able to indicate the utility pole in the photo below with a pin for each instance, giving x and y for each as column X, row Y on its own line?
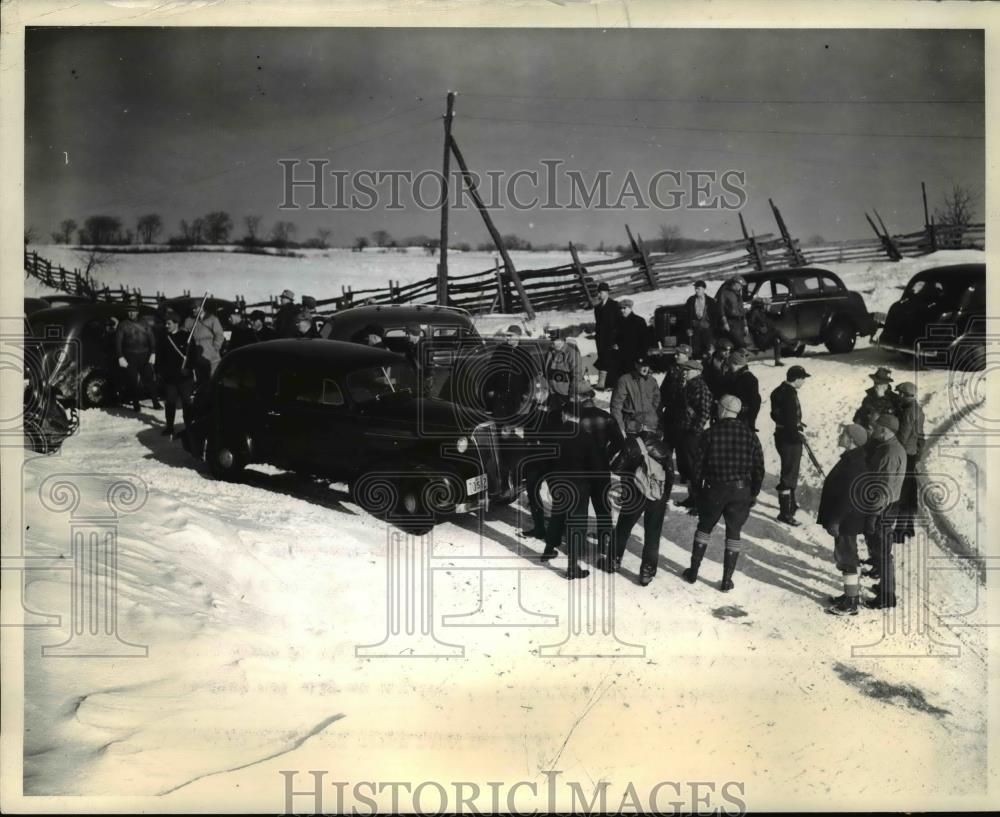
column 442, row 287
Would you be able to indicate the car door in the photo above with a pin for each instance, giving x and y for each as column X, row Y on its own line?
column 778, row 311
column 809, row 305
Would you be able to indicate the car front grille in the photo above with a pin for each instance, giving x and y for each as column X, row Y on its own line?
column 484, row 436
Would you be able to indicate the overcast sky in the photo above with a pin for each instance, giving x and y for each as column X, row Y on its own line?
column 181, row 122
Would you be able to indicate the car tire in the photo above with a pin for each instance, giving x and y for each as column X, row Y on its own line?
column 96, row 390
column 226, row 460
column 412, row 513
column 840, row 337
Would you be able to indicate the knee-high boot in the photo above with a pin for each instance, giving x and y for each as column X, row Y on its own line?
column 698, row 548
column 730, row 558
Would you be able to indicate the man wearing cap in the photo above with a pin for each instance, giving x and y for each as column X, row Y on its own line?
column 285, row 317
column 886, row 465
column 701, row 313
column 763, row 330
column 715, row 370
column 240, row 333
column 258, row 326
column 729, row 470
column 607, row 315
column 635, row 403
column 911, row 437
column 672, row 398
column 632, row 337
column 564, row 370
column 878, row 399
column 840, row 515
column 698, row 402
column 732, row 318
column 135, row 344
column 743, row 383
column 510, row 374
column 786, row 411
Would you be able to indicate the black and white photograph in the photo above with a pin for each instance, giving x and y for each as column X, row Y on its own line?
column 497, row 408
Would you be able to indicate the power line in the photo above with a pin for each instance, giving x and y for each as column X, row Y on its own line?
column 710, row 101
column 723, row 130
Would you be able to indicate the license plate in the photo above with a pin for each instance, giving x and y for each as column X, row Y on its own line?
column 474, row 485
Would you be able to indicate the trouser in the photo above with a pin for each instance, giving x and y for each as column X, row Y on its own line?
column 727, row 501
column 790, row 454
column 878, row 537
column 908, row 507
column 652, row 511
column 687, row 453
column 702, row 338
column 845, row 552
column 534, row 473
column 570, row 501
column 174, row 395
column 738, row 333
column 138, row 378
column 600, row 489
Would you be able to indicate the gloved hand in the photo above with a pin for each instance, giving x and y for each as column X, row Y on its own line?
column 123, row 362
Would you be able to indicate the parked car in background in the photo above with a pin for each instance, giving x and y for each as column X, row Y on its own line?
column 186, row 306
column 33, row 305
column 90, row 371
column 941, row 318
column 64, row 299
column 807, row 306
column 351, row 413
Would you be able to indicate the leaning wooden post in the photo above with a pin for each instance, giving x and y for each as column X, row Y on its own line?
column 503, row 297
column 581, row 274
column 442, row 282
column 640, row 251
column 752, row 246
column 894, row 252
column 511, row 270
column 797, row 258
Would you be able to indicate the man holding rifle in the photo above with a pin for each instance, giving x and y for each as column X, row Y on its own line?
column 786, row 411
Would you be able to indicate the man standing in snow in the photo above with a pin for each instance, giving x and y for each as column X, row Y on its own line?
column 672, row 400
column 240, row 334
column 284, row 319
column 564, row 371
column 786, row 411
column 698, row 404
column 259, row 329
column 135, row 344
column 635, row 404
column 886, row 465
column 173, row 364
column 208, row 336
column 840, row 515
column 911, row 437
column 743, row 384
column 510, row 374
column 701, row 314
column 632, row 337
column 733, row 319
column 607, row 315
column 878, row 399
column 715, row 369
column 728, row 474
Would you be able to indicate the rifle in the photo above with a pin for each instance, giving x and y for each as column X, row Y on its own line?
column 197, row 319
column 812, row 456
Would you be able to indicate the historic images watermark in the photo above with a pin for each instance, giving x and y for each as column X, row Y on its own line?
column 313, row 792
column 313, row 185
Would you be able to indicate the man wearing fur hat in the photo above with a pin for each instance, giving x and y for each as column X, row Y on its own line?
column 886, row 465
column 840, row 515
column 728, row 474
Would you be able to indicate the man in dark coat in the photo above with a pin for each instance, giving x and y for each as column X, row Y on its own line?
column 672, row 400
column 607, row 315
column 786, row 411
column 510, row 374
column 135, row 345
column 728, row 474
column 886, row 468
column 840, row 515
column 701, row 315
column 259, row 330
column 878, row 400
column 911, row 437
column 698, row 403
column 743, row 384
column 632, row 337
column 173, row 365
column 240, row 333
column 284, row 319
column 715, row 370
column 732, row 318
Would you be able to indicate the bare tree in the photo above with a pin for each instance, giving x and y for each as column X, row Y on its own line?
column 324, row 238
column 669, row 237
column 381, row 238
column 93, row 259
column 957, row 210
column 281, row 233
column 253, row 226
column 218, row 225
column 30, row 234
column 66, row 229
column 360, row 243
column 103, row 230
column 193, row 233
column 148, row 227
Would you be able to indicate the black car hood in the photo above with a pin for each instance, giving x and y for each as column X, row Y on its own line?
column 420, row 413
column 906, row 322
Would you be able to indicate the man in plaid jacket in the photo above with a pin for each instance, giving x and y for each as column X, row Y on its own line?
column 728, row 474
column 698, row 402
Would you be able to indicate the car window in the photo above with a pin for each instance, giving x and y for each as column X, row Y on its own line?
column 330, row 393
column 808, row 286
column 755, row 290
column 780, row 291
column 378, row 382
column 239, row 377
column 830, row 285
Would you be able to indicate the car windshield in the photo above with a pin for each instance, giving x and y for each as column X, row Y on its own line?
column 380, row 382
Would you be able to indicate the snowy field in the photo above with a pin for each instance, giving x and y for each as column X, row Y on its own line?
column 252, row 598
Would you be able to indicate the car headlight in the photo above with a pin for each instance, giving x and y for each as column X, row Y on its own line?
column 462, row 445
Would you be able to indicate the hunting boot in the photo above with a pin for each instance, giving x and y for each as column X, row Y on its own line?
column 698, row 548
column 646, row 575
column 730, row 558
column 846, row 604
column 785, row 513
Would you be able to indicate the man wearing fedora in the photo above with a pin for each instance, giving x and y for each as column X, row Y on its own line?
column 786, row 411
column 878, row 400
column 284, row 318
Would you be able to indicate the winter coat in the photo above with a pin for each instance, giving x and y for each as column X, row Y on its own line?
column 171, row 357
column 208, row 335
column 606, row 319
column 632, row 339
column 284, row 320
column 886, row 463
column 635, row 403
column 911, row 427
column 731, row 309
column 709, row 318
column 743, row 384
column 564, row 371
column 837, row 505
column 134, row 338
column 672, row 397
column 786, row 411
column 714, row 374
column 241, row 335
column 509, row 380
column 872, row 406
column 698, row 403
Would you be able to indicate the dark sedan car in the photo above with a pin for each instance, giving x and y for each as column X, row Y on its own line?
column 64, row 299
column 33, row 305
column 941, row 318
column 806, row 306
column 346, row 412
column 91, row 370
